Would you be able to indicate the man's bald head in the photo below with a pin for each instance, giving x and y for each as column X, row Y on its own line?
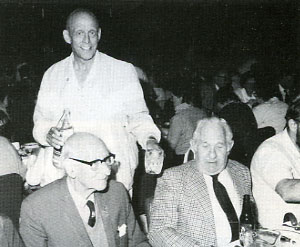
column 84, row 146
column 86, row 178
column 77, row 13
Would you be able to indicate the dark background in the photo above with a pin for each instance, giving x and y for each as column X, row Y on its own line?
column 162, row 33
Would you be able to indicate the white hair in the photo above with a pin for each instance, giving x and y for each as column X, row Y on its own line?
column 222, row 122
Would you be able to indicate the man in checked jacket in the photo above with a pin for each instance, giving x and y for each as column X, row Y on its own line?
column 199, row 203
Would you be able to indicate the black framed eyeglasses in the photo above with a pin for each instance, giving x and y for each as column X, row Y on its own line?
column 109, row 160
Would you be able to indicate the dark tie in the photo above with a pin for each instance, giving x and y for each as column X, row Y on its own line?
column 227, row 207
column 92, row 218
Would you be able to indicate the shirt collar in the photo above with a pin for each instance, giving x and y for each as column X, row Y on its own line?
column 221, row 175
column 289, row 144
column 79, row 200
column 181, row 107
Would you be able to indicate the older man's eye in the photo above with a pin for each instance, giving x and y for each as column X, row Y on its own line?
column 79, row 33
column 93, row 33
column 220, row 146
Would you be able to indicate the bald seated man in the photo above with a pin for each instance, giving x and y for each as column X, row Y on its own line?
column 84, row 208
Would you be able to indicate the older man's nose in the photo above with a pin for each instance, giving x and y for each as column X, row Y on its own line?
column 212, row 153
column 106, row 170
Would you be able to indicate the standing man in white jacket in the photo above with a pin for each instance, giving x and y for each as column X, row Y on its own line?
column 103, row 95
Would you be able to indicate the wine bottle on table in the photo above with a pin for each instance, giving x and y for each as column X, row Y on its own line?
column 66, row 130
column 247, row 223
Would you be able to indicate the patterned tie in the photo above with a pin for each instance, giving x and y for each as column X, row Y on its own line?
column 227, row 207
column 92, row 218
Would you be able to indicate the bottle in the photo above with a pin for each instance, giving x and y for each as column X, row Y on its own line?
column 66, row 130
column 247, row 223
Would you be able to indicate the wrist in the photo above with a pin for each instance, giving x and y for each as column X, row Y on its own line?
column 151, row 139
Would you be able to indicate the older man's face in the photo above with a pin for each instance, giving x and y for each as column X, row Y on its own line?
column 93, row 177
column 84, row 35
column 212, row 149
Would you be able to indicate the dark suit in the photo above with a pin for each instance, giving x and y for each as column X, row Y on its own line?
column 9, row 236
column 49, row 217
column 181, row 213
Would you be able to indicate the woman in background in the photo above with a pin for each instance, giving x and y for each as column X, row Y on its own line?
column 11, row 182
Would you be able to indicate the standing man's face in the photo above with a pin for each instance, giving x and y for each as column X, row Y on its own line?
column 83, row 35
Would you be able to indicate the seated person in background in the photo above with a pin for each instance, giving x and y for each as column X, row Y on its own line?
column 247, row 93
column 210, row 87
column 5, row 124
column 242, row 123
column 247, row 137
column 286, row 86
column 9, row 236
column 272, row 111
column 189, row 202
column 276, row 173
column 11, row 182
column 183, row 123
column 84, row 208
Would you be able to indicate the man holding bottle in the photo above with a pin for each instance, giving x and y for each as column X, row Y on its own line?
column 199, row 203
column 103, row 95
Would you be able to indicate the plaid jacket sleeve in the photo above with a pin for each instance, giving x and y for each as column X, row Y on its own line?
column 164, row 215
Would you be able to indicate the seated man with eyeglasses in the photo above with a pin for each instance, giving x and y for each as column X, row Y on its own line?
column 85, row 208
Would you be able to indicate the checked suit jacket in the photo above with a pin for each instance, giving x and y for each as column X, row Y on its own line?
column 50, row 218
column 181, row 213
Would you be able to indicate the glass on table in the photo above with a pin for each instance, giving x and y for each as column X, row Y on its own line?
column 260, row 238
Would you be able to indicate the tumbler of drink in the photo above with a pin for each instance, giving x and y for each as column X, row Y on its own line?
column 154, row 160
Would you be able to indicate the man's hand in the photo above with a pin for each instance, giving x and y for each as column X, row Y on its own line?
column 154, row 157
column 152, row 144
column 55, row 138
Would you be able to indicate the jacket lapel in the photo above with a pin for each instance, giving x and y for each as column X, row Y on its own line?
column 197, row 186
column 72, row 216
column 237, row 180
column 107, row 223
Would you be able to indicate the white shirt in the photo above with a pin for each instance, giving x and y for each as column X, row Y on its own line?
column 271, row 113
column 243, row 95
column 223, row 230
column 96, row 233
column 80, row 203
column 276, row 159
column 110, row 105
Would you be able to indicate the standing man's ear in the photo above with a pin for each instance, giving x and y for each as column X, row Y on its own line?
column 99, row 33
column 67, row 37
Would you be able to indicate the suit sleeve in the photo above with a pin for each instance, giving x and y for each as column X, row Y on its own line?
column 140, row 123
column 31, row 229
column 164, row 218
column 136, row 238
column 9, row 235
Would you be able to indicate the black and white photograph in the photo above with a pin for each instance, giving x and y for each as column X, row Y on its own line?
column 149, row 123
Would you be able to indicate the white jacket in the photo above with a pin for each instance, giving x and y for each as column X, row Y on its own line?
column 111, row 106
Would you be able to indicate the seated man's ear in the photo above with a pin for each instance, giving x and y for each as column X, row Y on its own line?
column 67, row 36
column 230, row 145
column 70, row 168
column 193, row 145
column 292, row 125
